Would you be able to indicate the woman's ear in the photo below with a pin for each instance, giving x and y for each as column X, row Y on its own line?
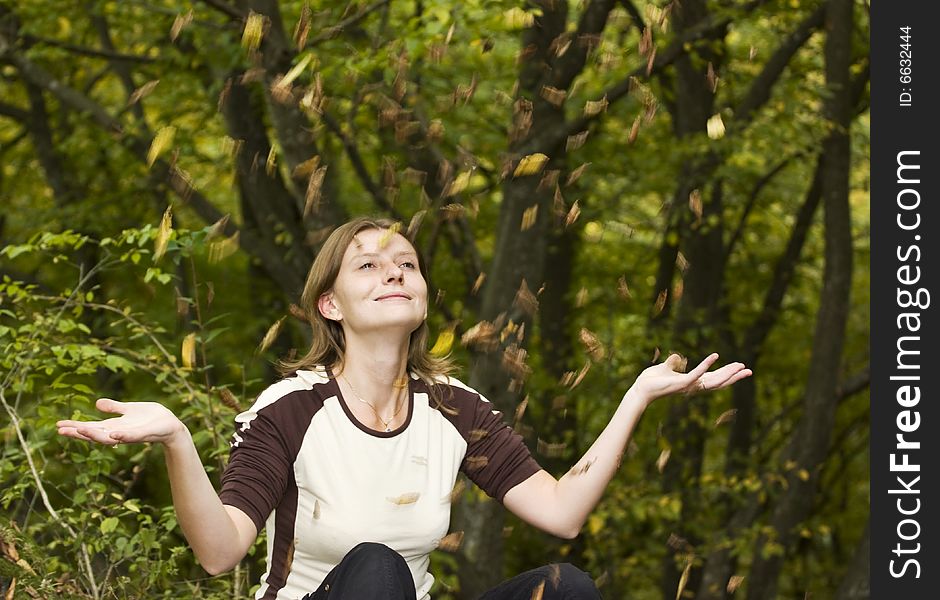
column 328, row 308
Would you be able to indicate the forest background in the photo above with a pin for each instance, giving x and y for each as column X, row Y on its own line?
column 594, row 183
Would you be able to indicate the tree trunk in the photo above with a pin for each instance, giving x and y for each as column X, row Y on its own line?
column 809, row 445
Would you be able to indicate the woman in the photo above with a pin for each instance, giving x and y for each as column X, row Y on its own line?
column 350, row 460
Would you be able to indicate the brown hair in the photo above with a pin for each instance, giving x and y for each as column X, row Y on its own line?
column 329, row 343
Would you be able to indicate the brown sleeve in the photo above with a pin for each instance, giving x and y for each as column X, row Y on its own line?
column 260, row 467
column 497, row 458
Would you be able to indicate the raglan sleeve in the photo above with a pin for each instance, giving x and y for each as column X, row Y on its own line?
column 260, row 463
column 497, row 458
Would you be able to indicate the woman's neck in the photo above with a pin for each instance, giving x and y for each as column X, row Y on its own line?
column 376, row 372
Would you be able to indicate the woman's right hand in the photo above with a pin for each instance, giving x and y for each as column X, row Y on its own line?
column 138, row 422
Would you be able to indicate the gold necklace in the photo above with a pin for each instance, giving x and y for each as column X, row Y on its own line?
column 385, row 423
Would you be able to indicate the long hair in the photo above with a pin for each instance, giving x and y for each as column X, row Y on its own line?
column 328, row 346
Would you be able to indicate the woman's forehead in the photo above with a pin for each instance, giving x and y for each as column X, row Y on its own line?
column 374, row 241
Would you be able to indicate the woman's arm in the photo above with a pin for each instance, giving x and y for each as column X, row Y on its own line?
column 219, row 535
column 561, row 507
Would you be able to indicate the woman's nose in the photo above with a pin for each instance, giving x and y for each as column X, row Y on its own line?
column 395, row 273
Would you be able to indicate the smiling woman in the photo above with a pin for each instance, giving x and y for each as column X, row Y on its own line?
column 356, row 495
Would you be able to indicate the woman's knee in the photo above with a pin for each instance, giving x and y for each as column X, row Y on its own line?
column 576, row 584
column 373, row 554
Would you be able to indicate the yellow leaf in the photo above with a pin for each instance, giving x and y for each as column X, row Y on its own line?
column 189, row 351
column 459, row 184
column 594, row 107
column 271, row 335
column 161, row 141
column 530, row 165
column 163, row 234
column 254, row 29
column 295, row 71
column 734, row 582
column 595, row 523
column 450, row 542
column 529, row 216
column 223, row 248
column 684, row 579
column 409, row 498
column 516, row 18
column 444, row 343
column 716, row 127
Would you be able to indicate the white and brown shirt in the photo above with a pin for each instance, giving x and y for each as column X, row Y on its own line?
column 321, row 482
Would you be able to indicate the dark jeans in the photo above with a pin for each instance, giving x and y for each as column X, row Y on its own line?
column 372, row 571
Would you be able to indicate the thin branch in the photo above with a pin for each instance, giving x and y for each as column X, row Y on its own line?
column 226, row 9
column 91, row 52
column 359, row 166
column 331, row 32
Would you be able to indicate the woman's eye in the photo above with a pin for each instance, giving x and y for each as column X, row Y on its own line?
column 408, row 265
column 367, row 265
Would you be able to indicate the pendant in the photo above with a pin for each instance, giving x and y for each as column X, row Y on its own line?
column 387, row 429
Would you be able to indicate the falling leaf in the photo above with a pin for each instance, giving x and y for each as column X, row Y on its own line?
column 388, row 234
column 716, row 127
column 228, row 399
column 483, row 336
column 295, row 71
column 179, row 23
column 682, row 262
column 161, row 142
column 520, row 410
column 514, row 362
column 163, row 234
column 602, row 579
column 663, row 459
column 751, row 53
column 182, row 304
column 592, row 344
column 222, row 249
column 478, row 283
column 302, row 30
column 646, row 41
column 254, row 29
column 734, row 582
column 516, row 18
column 530, row 165
column 660, row 303
column 525, row 300
column 553, row 95
column 271, row 163
column 456, row 492
column 695, row 204
column 573, row 213
column 803, row 474
column 576, row 141
column 143, row 91
column 538, row 591
column 415, row 224
column 595, row 107
column 217, row 229
column 188, row 351
column 712, row 78
column 650, row 61
column 726, row 417
column 445, row 340
column 408, row 498
column 271, row 335
column 314, row 191
column 551, row 450
column 622, row 288
column 458, row 185
column 684, row 579
column 529, row 216
column 450, row 542
column 576, row 174
column 316, row 509
column 634, row 131
column 476, row 462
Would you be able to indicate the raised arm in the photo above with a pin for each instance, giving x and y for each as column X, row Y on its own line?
column 219, row 535
column 561, row 507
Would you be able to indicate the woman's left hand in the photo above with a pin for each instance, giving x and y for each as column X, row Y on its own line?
column 668, row 377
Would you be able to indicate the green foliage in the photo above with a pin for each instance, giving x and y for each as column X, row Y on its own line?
column 81, row 522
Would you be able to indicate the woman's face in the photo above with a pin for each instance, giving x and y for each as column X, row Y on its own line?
column 379, row 285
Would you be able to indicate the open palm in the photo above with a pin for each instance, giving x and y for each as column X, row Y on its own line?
column 668, row 377
column 138, row 422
